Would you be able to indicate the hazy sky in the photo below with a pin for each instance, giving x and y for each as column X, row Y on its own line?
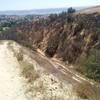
column 37, row 4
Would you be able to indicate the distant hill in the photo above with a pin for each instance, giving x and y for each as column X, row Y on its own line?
column 36, row 11
column 90, row 10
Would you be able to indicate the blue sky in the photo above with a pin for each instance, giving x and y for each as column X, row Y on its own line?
column 38, row 4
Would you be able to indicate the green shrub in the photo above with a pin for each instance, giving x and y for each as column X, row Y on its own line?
column 90, row 66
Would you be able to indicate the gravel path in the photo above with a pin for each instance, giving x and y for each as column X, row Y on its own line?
column 11, row 84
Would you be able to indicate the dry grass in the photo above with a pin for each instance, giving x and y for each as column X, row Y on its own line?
column 85, row 91
column 28, row 71
column 19, row 56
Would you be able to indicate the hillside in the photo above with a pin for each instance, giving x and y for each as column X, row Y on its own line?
column 73, row 39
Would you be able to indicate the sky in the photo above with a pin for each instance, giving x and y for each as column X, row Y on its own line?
column 42, row 4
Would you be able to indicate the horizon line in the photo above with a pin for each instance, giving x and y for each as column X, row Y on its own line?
column 48, row 8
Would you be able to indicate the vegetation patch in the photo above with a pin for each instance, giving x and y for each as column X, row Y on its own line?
column 19, row 56
column 90, row 66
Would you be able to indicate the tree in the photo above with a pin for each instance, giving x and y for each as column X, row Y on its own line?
column 71, row 10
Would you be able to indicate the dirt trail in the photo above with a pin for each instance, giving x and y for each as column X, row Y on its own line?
column 11, row 87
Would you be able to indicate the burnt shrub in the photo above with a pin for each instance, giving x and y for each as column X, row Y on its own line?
column 79, row 27
column 50, row 51
column 70, row 18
